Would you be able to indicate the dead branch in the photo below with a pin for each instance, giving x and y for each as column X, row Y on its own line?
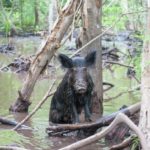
column 110, row 86
column 122, row 93
column 119, row 118
column 92, row 127
column 123, row 144
column 73, row 24
column 106, row 30
column 48, row 94
column 11, row 148
column 120, row 64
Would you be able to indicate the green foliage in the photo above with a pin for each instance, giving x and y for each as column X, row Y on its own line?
column 131, row 10
column 111, row 14
column 7, row 3
column 135, row 143
column 7, row 27
column 22, row 15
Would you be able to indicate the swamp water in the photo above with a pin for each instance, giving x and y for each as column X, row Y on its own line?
column 37, row 139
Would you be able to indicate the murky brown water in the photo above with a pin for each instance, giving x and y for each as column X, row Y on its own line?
column 37, row 139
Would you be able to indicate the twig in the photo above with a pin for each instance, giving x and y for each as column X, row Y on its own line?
column 107, row 6
column 48, row 94
column 138, row 81
column 70, row 33
column 101, row 34
column 120, row 64
column 121, row 93
column 120, row 118
column 108, row 84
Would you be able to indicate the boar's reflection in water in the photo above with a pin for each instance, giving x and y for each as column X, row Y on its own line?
column 74, row 92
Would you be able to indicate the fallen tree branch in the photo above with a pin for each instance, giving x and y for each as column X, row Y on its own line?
column 91, row 127
column 11, row 148
column 48, row 94
column 119, row 118
column 11, row 122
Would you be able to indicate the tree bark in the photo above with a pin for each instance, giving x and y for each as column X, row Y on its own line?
column 145, row 83
column 44, row 56
column 91, row 16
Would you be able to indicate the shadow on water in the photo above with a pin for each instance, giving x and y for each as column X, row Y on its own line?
column 37, row 139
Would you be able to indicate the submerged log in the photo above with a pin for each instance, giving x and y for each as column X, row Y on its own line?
column 7, row 122
column 91, row 128
column 11, row 122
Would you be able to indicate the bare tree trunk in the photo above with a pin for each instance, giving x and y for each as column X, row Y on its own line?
column 52, row 14
column 91, row 28
column 36, row 13
column 145, row 89
column 44, row 56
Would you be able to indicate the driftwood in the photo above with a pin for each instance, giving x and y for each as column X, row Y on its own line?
column 118, row 119
column 91, row 128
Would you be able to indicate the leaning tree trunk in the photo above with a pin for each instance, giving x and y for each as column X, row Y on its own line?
column 145, row 89
column 91, row 16
column 44, row 56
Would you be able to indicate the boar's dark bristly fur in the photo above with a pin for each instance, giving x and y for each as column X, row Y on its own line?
column 74, row 92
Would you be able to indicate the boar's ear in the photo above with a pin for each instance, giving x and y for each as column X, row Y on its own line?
column 90, row 58
column 65, row 61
